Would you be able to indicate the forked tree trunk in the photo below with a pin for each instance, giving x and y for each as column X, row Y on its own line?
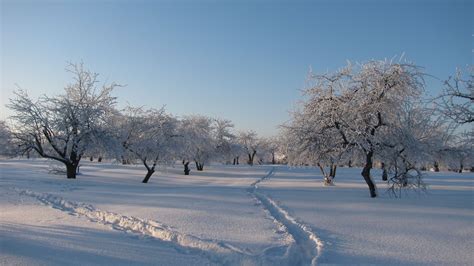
column 148, row 175
column 366, row 174
column 199, row 166
column 71, row 170
column 436, row 166
column 328, row 178
column 251, row 157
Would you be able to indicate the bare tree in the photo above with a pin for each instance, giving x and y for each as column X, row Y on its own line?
column 457, row 99
column 250, row 143
column 224, row 139
column 198, row 143
column 7, row 146
column 63, row 128
column 149, row 136
column 270, row 147
column 458, row 153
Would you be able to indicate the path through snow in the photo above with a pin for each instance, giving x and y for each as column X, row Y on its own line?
column 306, row 247
column 218, row 252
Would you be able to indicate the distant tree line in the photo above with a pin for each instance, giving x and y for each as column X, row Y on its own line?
column 373, row 114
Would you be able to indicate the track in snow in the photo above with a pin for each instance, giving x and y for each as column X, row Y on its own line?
column 216, row 251
column 306, row 247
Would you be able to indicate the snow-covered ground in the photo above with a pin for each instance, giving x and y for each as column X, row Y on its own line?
column 235, row 215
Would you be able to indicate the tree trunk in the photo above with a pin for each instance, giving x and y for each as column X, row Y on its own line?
column 322, row 169
column 384, row 173
column 91, row 158
column 366, row 174
column 333, row 171
column 125, row 161
column 350, row 163
column 71, row 170
column 199, row 166
column 237, row 160
column 460, row 168
column 186, row 168
column 273, row 158
column 99, row 159
column 148, row 175
column 251, row 157
column 436, row 166
column 234, row 161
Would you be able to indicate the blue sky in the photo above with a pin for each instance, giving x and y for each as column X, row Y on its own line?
column 241, row 60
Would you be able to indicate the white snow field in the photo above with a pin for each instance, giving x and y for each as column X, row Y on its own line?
column 227, row 215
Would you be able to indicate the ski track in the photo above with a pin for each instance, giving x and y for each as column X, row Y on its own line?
column 304, row 249
column 216, row 251
column 307, row 247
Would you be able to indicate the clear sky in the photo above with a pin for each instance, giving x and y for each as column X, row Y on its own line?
column 241, row 60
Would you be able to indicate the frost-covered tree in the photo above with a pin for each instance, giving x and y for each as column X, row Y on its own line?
column 250, row 144
column 457, row 153
column 198, row 142
column 457, row 99
column 354, row 108
column 224, row 139
column 64, row 127
column 443, row 139
column 108, row 146
column 236, row 150
column 315, row 136
column 270, row 147
column 148, row 135
column 413, row 139
column 464, row 152
column 7, row 147
column 376, row 97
